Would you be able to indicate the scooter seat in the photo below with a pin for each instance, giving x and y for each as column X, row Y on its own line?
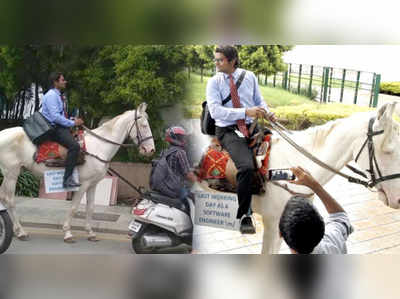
column 169, row 201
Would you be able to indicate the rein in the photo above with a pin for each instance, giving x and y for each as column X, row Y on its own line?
column 139, row 135
column 139, row 138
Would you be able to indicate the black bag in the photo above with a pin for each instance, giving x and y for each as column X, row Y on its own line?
column 207, row 123
column 162, row 178
column 37, row 127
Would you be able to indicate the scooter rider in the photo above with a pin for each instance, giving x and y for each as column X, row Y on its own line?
column 169, row 174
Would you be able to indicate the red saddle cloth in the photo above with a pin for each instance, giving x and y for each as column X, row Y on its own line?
column 50, row 150
column 213, row 164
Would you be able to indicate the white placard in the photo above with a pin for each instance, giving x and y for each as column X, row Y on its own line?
column 53, row 180
column 216, row 210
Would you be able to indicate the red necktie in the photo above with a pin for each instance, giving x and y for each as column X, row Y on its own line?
column 65, row 105
column 236, row 104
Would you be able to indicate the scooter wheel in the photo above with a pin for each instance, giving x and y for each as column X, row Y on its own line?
column 6, row 231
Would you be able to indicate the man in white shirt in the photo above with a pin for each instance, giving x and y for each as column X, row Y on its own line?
column 303, row 228
column 232, row 119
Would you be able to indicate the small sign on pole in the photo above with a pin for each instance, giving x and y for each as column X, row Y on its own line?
column 216, row 210
column 53, row 180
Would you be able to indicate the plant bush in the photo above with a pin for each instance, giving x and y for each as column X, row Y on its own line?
column 303, row 116
column 392, row 88
column 27, row 184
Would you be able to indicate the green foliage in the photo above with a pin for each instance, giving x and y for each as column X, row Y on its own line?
column 263, row 59
column 304, row 91
column 102, row 81
column 303, row 116
column 27, row 184
column 392, row 88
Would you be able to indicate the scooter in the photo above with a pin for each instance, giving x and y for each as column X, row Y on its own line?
column 6, row 229
column 162, row 224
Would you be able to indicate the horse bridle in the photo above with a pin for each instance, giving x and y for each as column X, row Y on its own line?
column 139, row 137
column 372, row 160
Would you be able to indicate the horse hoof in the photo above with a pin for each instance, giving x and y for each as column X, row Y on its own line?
column 93, row 239
column 23, row 238
column 70, row 240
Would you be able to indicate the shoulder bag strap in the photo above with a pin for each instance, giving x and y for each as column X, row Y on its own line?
column 239, row 81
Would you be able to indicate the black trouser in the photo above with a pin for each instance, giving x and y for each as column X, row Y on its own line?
column 243, row 158
column 63, row 136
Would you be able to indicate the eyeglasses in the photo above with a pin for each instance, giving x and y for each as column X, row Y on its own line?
column 219, row 60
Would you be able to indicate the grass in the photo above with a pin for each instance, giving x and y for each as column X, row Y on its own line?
column 274, row 97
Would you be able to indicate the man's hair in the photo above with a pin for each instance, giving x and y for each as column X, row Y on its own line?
column 301, row 226
column 54, row 76
column 229, row 52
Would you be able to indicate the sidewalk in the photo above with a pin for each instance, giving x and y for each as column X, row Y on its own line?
column 51, row 213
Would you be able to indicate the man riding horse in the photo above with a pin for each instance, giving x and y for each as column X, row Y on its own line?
column 54, row 110
column 233, row 119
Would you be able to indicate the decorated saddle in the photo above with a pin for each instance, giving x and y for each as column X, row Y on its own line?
column 52, row 154
column 213, row 165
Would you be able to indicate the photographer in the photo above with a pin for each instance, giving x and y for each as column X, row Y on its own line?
column 303, row 228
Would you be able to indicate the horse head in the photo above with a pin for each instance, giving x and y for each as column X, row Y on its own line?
column 140, row 131
column 386, row 144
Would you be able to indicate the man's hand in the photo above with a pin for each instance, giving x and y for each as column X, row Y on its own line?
column 271, row 116
column 78, row 121
column 303, row 177
column 255, row 112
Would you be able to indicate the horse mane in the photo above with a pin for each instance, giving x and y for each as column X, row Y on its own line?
column 317, row 135
column 111, row 123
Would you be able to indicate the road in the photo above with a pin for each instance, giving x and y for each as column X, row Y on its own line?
column 47, row 241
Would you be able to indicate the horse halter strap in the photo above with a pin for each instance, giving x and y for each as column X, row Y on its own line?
column 372, row 158
column 139, row 137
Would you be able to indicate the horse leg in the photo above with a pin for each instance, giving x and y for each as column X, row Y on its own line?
column 76, row 200
column 90, row 196
column 7, row 197
column 271, row 238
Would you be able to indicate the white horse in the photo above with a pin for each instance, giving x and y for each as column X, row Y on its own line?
column 336, row 143
column 16, row 151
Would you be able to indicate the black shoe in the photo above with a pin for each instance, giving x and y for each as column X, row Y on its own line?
column 247, row 226
column 70, row 183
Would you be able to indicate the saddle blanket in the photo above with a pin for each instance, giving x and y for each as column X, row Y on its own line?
column 50, row 150
column 214, row 161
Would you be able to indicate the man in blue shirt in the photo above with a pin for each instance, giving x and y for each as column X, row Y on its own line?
column 54, row 110
column 228, row 119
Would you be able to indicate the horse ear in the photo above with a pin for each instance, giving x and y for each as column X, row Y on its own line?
column 385, row 117
column 142, row 107
column 385, row 113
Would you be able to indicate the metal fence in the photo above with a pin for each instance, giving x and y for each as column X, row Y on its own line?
column 328, row 84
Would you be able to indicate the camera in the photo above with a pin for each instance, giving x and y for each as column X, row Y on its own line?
column 281, row 174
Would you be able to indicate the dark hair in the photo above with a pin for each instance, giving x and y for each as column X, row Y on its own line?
column 54, row 76
column 229, row 52
column 301, row 226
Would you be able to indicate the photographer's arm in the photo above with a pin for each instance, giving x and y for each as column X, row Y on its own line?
column 305, row 178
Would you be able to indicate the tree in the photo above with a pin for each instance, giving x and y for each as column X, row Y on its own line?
column 206, row 56
column 263, row 59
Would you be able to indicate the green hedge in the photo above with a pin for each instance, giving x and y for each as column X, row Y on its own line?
column 27, row 185
column 303, row 116
column 392, row 88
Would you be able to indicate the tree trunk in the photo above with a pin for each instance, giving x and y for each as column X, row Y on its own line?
column 7, row 110
column 201, row 72
column 22, row 108
column 36, row 97
column 188, row 72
